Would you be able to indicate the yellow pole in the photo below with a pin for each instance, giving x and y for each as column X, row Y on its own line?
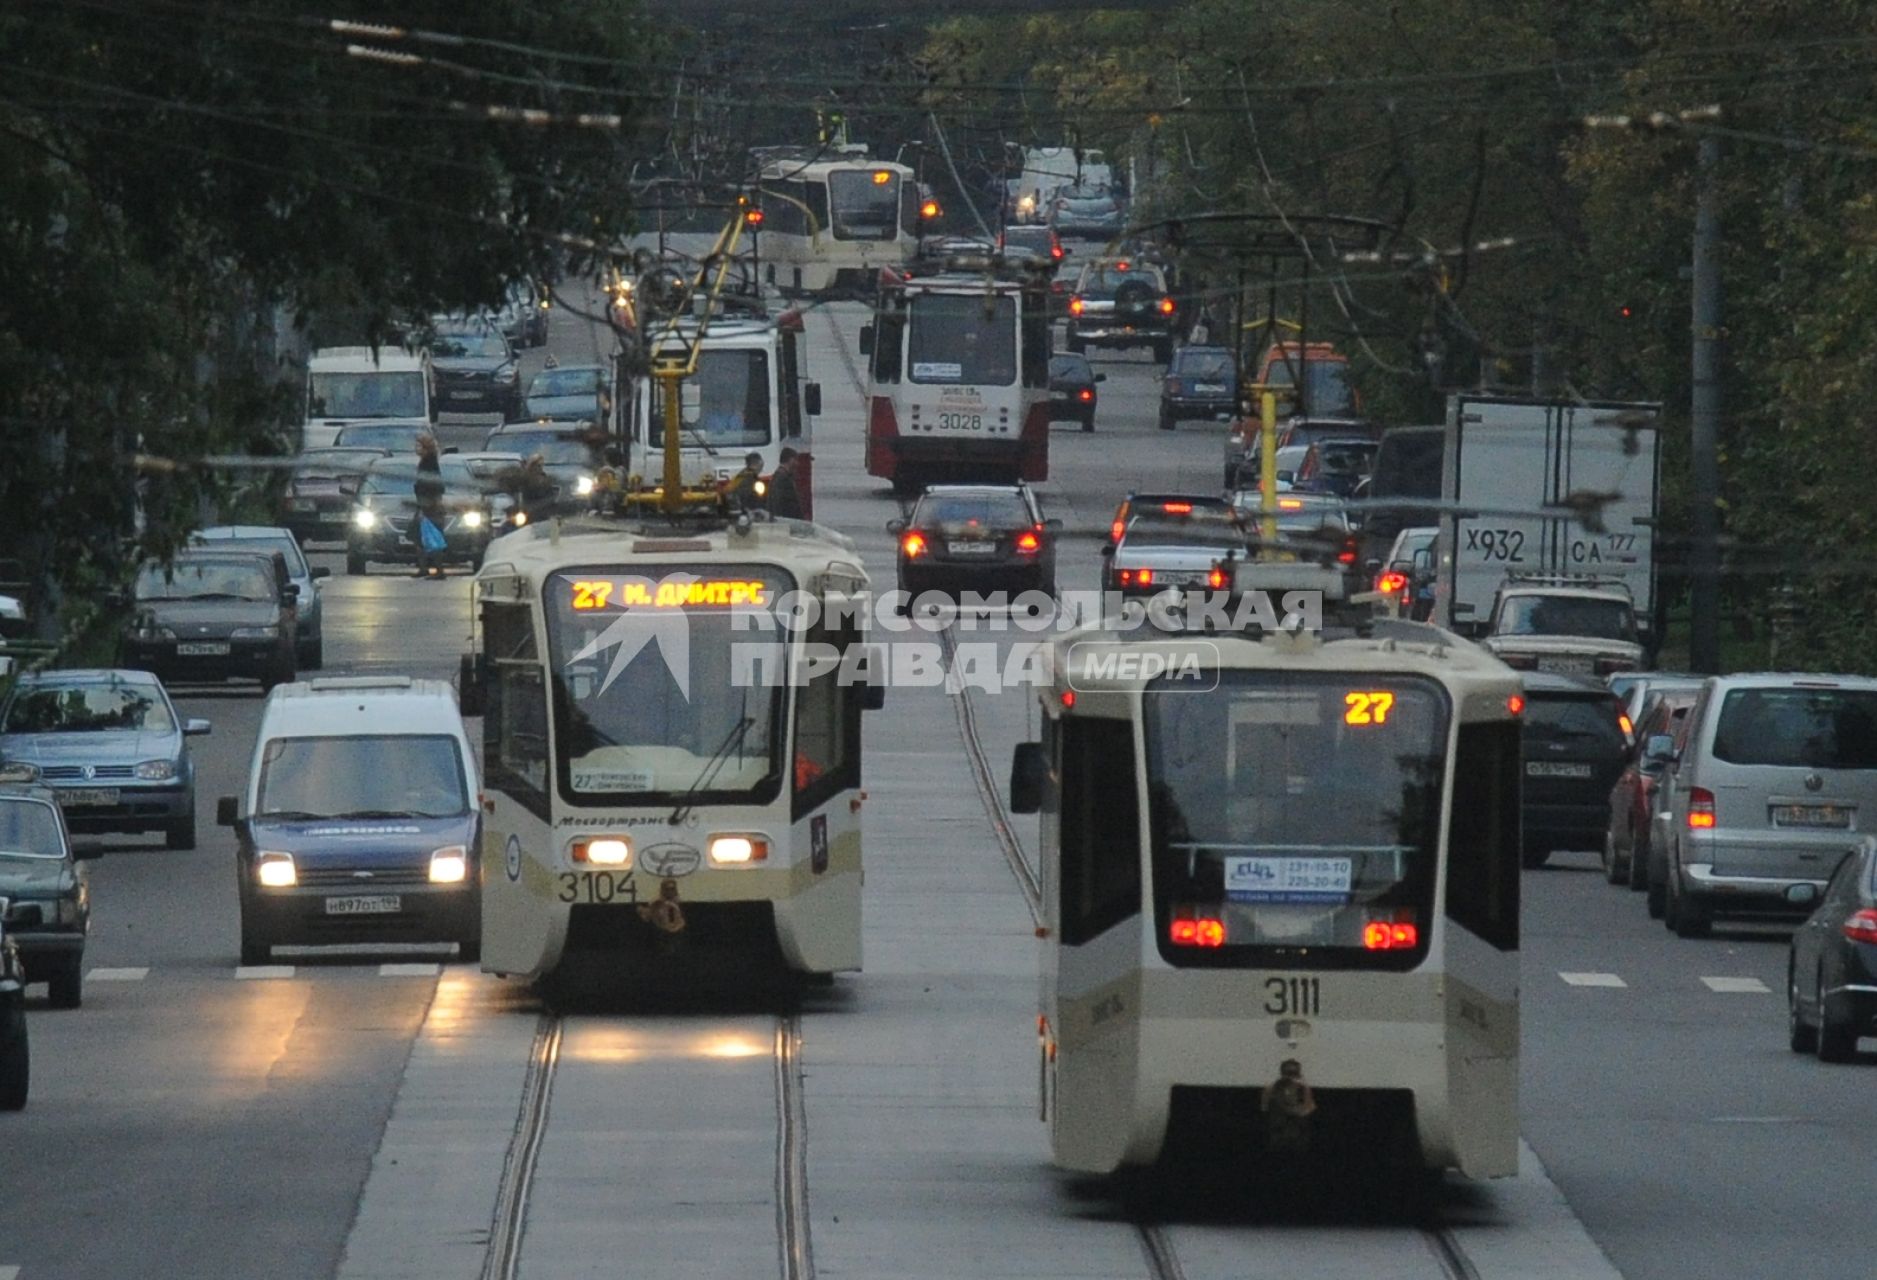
column 1267, row 475
column 672, row 386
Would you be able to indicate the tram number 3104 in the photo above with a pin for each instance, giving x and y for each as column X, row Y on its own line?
column 1300, row 997
column 598, row 886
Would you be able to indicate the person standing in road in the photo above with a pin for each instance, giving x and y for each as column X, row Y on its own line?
column 428, row 492
column 785, row 495
column 744, row 490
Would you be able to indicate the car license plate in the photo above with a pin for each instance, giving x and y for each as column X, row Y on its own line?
column 88, row 797
column 364, row 905
column 1552, row 769
column 1812, row 815
column 1209, row 388
column 971, row 548
column 332, row 517
column 464, row 395
column 1566, row 666
column 305, row 504
column 202, row 649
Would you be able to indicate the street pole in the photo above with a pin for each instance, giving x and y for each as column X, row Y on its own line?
column 1704, row 552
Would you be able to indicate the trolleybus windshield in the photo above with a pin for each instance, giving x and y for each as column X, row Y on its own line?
column 725, row 405
column 866, row 203
column 1295, row 818
column 963, row 338
column 667, row 683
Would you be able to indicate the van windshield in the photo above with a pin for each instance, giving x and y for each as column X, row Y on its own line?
column 1798, row 728
column 366, row 395
column 384, row 775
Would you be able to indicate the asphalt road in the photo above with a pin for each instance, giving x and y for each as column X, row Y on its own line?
column 192, row 1120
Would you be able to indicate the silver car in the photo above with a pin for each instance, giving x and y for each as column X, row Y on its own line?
column 1775, row 781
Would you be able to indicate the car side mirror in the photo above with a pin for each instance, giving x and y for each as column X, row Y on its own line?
column 1053, row 523
column 896, row 526
column 319, row 571
column 1107, row 548
column 866, row 339
column 1029, row 774
column 194, row 728
column 811, row 399
column 227, row 811
column 1659, row 749
column 1802, row 895
column 1101, row 377
column 472, row 686
column 87, row 852
column 290, row 593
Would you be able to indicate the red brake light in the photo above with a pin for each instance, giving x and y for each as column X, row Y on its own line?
column 1390, row 935
column 1700, row 809
column 912, row 546
column 1028, row 541
column 754, row 217
column 1197, row 933
column 1516, row 705
column 1116, row 529
column 1166, row 306
column 1068, row 698
column 1391, row 582
column 1085, row 395
column 1347, row 555
column 1121, row 265
column 1075, row 306
column 1862, row 926
column 1055, row 251
column 1216, row 579
column 1177, row 508
column 1144, row 577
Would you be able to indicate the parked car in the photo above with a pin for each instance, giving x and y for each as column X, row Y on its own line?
column 1072, row 391
column 358, row 821
column 1770, row 786
column 1574, row 750
column 979, row 538
column 318, row 498
column 111, row 748
column 1632, row 799
column 310, row 642
column 216, row 615
column 1831, row 964
column 1201, row 382
column 15, row 1049
column 45, row 885
column 570, row 393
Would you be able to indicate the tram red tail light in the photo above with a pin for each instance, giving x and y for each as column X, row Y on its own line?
column 1391, row 935
column 1700, row 809
column 1862, row 926
column 1197, row 933
column 912, row 546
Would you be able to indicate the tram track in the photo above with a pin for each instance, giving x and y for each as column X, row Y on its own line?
column 1008, row 842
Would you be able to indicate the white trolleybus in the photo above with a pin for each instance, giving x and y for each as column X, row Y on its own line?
column 670, row 779
column 747, row 395
column 831, row 221
column 958, row 385
column 1280, row 899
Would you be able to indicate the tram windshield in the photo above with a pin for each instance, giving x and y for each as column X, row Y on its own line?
column 963, row 338
column 1295, row 818
column 667, row 683
column 865, row 203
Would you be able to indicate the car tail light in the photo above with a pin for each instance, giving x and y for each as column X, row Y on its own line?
column 1516, row 705
column 1166, row 306
column 1216, row 579
column 1177, row 508
column 1391, row 935
column 1085, row 395
column 1700, row 809
column 1028, row 541
column 1391, row 582
column 1075, row 306
column 1055, row 251
column 1348, row 554
column 912, row 546
column 1137, row 577
column 1862, row 926
column 1624, row 723
column 1197, row 933
column 1119, row 527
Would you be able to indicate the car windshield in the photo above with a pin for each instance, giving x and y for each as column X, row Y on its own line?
column 963, row 339
column 1203, row 366
column 263, row 543
column 1102, row 279
column 366, row 395
column 1345, row 459
column 478, row 472
column 557, row 448
column 1584, row 616
column 401, row 437
column 1295, row 810
column 480, row 345
column 88, row 708
column 29, row 829
column 1798, row 728
column 957, row 512
column 1070, row 368
column 385, row 775
column 206, row 579
column 865, row 203
column 336, row 462
column 1588, row 719
column 1326, row 381
column 1041, row 239
column 1200, row 529
column 665, row 682
column 567, row 382
column 726, row 404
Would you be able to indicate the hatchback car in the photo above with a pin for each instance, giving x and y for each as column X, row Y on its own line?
column 1201, row 382
column 1831, row 965
column 1574, row 749
column 1039, row 239
column 358, row 821
column 318, row 499
column 1632, row 799
column 310, row 645
column 15, row 1050
column 48, row 893
column 111, row 748
column 1072, row 391
column 978, row 537
column 215, row 615
column 1775, row 781
column 570, row 393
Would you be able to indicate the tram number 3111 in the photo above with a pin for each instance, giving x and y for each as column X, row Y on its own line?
column 1300, row 997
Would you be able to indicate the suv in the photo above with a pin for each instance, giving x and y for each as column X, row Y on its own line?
column 48, row 893
column 1775, row 777
column 359, row 820
column 1122, row 302
column 1576, row 630
column 1575, row 748
column 1201, row 382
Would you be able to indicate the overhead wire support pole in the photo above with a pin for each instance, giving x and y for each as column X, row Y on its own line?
column 1705, row 414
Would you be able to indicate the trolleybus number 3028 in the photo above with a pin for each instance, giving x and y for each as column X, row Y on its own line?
column 598, row 886
column 1302, row 997
column 961, row 422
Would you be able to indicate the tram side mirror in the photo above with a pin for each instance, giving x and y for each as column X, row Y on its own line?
column 811, row 399
column 873, row 691
column 1029, row 774
column 866, row 339
column 471, row 685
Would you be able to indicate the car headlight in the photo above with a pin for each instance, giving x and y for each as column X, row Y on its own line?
column 275, row 870
column 583, row 486
column 449, row 865
column 364, row 518
column 157, row 770
column 66, row 910
column 151, row 631
column 508, row 373
column 472, row 519
column 520, row 518
column 254, row 633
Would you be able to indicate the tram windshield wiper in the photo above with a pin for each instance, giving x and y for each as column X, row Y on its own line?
column 712, row 766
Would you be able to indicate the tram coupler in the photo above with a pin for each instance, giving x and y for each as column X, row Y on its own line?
column 664, row 914
column 1288, row 1106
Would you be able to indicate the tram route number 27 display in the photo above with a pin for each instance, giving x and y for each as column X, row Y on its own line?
column 1301, row 997
column 597, row 886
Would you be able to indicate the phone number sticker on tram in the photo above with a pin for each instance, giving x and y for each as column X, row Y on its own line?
column 1292, row 880
column 598, row 886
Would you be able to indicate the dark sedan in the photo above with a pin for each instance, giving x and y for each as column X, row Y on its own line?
column 570, row 456
column 318, row 499
column 387, row 504
column 1831, row 970
column 982, row 538
column 47, row 891
column 1574, row 743
column 110, row 746
column 1072, row 392
column 570, row 393
column 476, row 370
column 15, row 1054
column 1201, row 382
column 215, row 615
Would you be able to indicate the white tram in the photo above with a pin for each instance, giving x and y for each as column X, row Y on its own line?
column 1278, row 850
column 831, row 222
column 672, row 765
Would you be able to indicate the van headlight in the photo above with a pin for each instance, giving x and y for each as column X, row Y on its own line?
column 449, row 865
column 275, row 870
column 364, row 518
column 157, row 770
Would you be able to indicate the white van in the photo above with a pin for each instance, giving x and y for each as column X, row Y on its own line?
column 359, row 386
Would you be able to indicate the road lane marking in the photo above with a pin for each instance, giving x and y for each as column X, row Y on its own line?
column 1593, row 979
column 409, row 970
column 1738, row 986
column 115, row 975
column 260, row 971
column 9, row 1273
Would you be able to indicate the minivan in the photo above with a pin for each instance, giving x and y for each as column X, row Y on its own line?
column 1775, row 781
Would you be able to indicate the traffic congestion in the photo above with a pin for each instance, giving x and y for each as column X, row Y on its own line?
column 923, row 712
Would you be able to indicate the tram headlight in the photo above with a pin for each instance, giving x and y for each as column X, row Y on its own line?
column 603, row 851
column 736, row 851
column 275, row 870
column 449, row 865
